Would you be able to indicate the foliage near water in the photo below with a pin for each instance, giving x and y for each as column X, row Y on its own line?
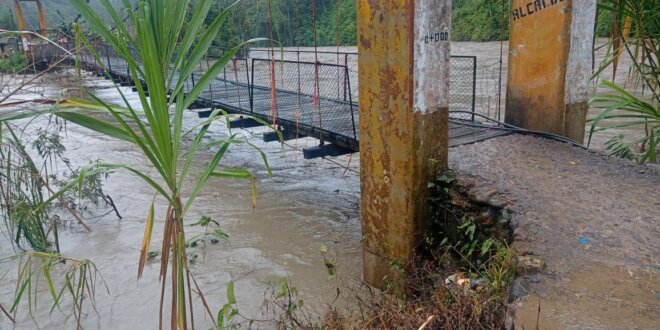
column 13, row 63
column 36, row 188
column 635, row 30
column 170, row 45
column 461, row 280
column 41, row 195
column 163, row 48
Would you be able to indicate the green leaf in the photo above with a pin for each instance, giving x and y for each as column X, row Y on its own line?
column 231, row 299
column 96, row 125
column 485, row 247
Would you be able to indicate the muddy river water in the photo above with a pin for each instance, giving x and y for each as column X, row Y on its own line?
column 305, row 204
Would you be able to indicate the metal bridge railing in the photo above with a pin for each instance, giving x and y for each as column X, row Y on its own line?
column 463, row 87
column 324, row 103
column 324, row 107
column 462, row 84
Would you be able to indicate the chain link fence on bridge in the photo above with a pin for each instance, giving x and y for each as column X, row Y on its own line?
column 462, row 85
column 314, row 95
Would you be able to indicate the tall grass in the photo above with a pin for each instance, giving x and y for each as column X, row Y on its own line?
column 71, row 283
column 162, row 49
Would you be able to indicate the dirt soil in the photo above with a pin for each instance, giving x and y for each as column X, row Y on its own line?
column 592, row 218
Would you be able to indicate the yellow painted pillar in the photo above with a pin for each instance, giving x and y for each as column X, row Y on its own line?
column 550, row 64
column 404, row 92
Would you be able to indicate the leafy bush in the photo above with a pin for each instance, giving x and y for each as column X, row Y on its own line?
column 480, row 20
column 13, row 64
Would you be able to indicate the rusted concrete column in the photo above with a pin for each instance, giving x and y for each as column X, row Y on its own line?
column 550, row 63
column 404, row 89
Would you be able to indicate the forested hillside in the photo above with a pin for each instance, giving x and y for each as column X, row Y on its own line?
column 336, row 20
column 292, row 21
column 57, row 12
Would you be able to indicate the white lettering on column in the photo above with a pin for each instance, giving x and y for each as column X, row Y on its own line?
column 431, row 56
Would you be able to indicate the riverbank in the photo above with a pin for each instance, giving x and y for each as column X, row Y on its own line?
column 592, row 218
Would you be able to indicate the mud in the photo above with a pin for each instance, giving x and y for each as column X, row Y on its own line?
column 563, row 195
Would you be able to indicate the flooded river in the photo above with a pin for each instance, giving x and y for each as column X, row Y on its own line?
column 305, row 204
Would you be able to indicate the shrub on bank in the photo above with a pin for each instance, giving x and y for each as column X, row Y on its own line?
column 13, row 63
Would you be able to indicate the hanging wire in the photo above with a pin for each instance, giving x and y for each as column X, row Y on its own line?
column 505, row 14
column 273, row 92
column 317, row 103
column 338, row 41
column 297, row 41
column 234, row 62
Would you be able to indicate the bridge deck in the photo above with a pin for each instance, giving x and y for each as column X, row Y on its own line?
column 245, row 89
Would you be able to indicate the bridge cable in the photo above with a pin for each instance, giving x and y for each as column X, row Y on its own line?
column 505, row 14
column 298, row 113
column 337, row 41
column 317, row 103
column 345, row 69
column 273, row 93
column 234, row 61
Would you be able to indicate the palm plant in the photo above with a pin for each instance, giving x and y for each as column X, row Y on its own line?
column 627, row 110
column 163, row 48
column 635, row 32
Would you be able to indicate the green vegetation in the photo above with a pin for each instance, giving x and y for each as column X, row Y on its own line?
column 293, row 22
column 461, row 281
column 71, row 283
column 13, row 64
column 57, row 12
column 29, row 180
column 635, row 33
column 480, row 20
column 6, row 22
column 336, row 21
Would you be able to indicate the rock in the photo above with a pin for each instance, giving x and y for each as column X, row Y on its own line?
column 519, row 234
column 515, row 220
column 487, row 218
column 535, row 279
column 465, row 181
column 498, row 202
column 460, row 201
column 519, row 289
column 484, row 194
column 528, row 265
column 509, row 323
column 524, row 247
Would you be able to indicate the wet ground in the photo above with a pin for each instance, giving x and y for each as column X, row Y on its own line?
column 592, row 218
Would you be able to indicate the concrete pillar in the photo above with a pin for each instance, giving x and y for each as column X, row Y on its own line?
column 550, row 64
column 404, row 92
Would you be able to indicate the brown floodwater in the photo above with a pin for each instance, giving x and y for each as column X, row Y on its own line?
column 600, row 297
column 305, row 204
